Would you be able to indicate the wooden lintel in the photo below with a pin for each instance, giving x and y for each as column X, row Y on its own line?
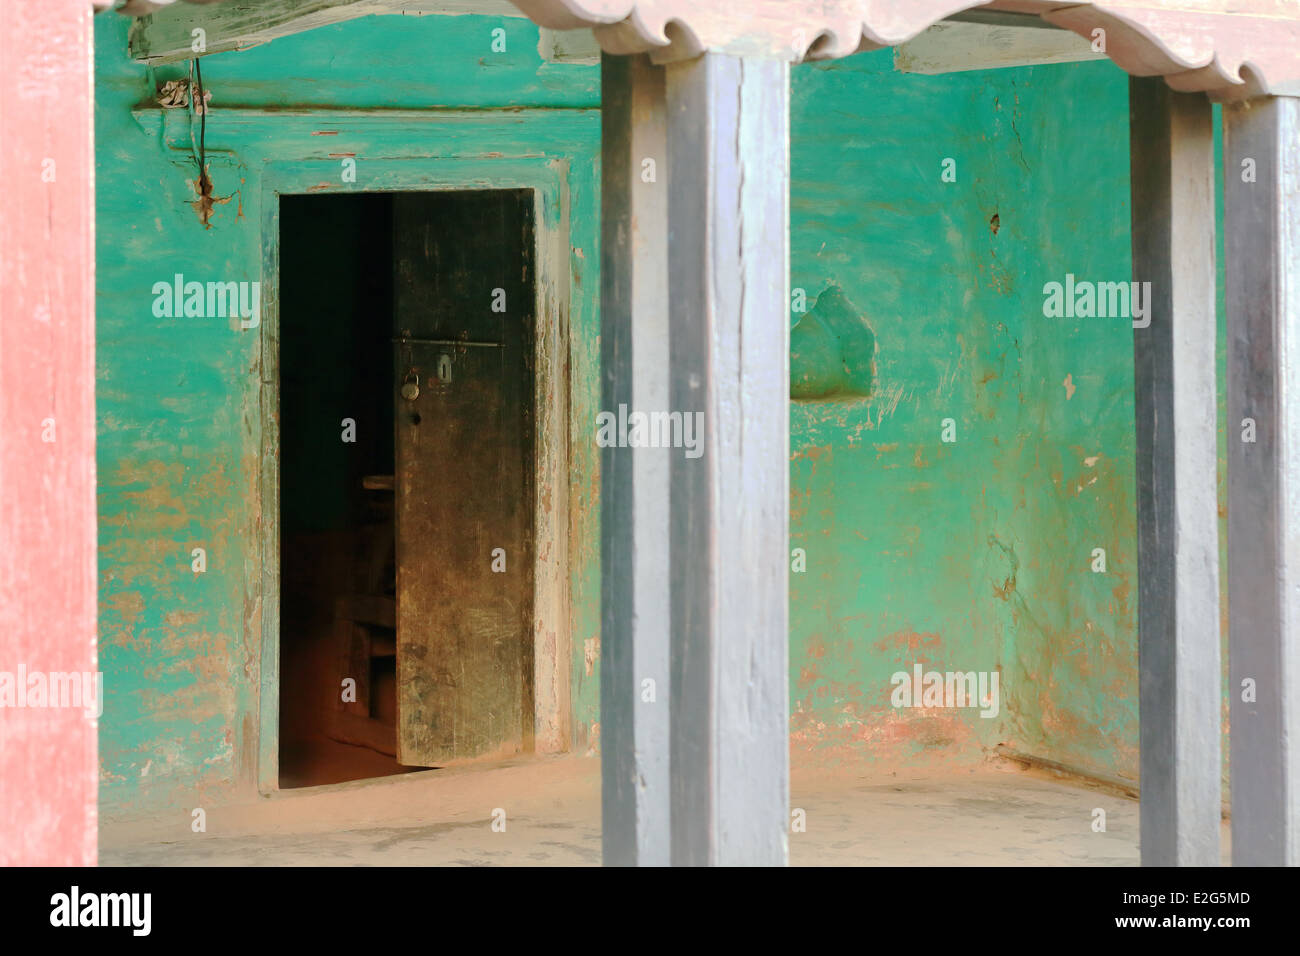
column 959, row 44
column 168, row 35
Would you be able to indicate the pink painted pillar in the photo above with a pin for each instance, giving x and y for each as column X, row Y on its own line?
column 48, row 772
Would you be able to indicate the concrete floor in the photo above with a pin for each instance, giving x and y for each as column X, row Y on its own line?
column 997, row 814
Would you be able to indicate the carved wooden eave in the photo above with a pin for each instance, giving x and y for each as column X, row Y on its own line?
column 1231, row 56
column 1228, row 48
column 1231, row 49
column 793, row 30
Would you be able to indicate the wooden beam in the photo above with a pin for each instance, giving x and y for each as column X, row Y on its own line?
column 1172, row 181
column 958, row 44
column 168, row 35
column 1002, row 18
column 1262, row 244
column 568, row 46
column 634, row 481
column 48, row 765
column 728, row 233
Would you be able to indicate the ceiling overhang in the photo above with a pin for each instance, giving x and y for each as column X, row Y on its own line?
column 1230, row 49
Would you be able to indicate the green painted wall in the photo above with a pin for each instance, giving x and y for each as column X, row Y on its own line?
column 179, row 420
column 970, row 555
column 974, row 554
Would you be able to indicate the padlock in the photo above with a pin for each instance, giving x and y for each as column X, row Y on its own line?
column 411, row 387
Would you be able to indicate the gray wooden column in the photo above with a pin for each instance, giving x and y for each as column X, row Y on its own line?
column 728, row 138
column 634, row 481
column 1172, row 179
column 1262, row 244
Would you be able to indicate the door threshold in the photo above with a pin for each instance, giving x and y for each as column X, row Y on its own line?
column 453, row 769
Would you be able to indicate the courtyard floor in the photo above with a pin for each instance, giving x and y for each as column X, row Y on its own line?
column 996, row 814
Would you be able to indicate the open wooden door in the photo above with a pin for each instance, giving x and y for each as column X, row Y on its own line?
column 463, row 347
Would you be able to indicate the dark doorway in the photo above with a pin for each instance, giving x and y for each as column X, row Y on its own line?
column 407, row 478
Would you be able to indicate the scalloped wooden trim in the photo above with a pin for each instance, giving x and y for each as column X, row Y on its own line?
column 786, row 29
column 1194, row 44
column 1230, row 56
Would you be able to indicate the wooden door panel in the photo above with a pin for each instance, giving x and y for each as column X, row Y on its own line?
column 464, row 476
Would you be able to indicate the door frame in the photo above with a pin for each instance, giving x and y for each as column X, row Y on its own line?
column 547, row 179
